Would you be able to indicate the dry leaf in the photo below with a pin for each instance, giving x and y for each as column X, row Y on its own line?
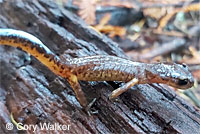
column 104, row 20
column 109, row 29
column 164, row 20
column 113, row 30
column 119, row 3
column 153, row 2
column 195, row 59
column 87, row 11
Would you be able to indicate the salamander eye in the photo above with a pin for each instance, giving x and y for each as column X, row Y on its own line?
column 182, row 82
column 184, row 65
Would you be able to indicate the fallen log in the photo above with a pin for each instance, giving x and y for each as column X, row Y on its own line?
column 34, row 95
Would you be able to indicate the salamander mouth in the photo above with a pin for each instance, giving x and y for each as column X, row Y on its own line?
column 181, row 83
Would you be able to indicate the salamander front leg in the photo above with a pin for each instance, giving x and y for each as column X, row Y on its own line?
column 123, row 89
column 80, row 94
column 78, row 91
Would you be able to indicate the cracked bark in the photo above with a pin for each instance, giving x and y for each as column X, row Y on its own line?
column 35, row 95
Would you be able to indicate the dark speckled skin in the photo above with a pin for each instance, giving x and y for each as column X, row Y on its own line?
column 105, row 68
column 98, row 68
column 112, row 68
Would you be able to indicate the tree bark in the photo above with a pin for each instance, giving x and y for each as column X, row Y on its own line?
column 34, row 95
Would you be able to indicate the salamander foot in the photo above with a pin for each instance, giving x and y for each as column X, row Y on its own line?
column 88, row 108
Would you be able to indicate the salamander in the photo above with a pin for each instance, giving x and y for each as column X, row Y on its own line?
column 99, row 67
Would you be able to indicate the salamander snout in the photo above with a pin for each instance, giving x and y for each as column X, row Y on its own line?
column 175, row 75
column 182, row 78
column 185, row 83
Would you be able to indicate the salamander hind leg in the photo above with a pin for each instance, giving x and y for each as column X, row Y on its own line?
column 123, row 89
column 72, row 79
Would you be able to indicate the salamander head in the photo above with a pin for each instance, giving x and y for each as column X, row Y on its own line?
column 175, row 75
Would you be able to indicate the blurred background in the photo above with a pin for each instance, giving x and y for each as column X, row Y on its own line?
column 149, row 31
